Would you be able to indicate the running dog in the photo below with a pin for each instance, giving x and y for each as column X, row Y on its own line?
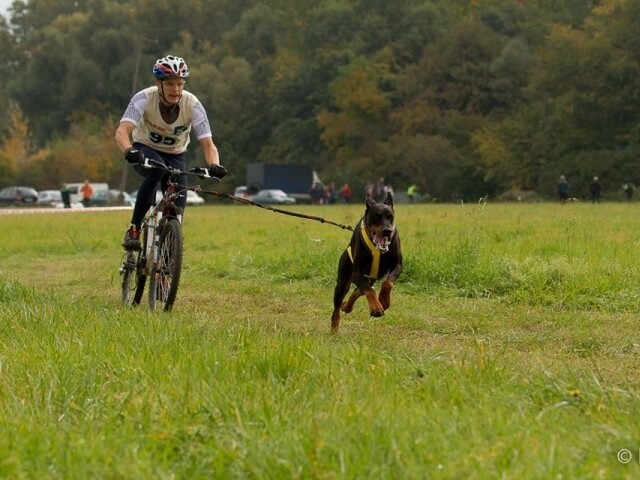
column 373, row 253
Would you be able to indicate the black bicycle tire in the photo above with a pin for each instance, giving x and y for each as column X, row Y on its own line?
column 165, row 277
column 127, row 270
column 141, row 278
column 133, row 279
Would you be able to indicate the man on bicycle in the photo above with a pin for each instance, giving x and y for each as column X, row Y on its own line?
column 156, row 125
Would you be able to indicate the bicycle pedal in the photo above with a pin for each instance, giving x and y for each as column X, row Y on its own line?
column 128, row 264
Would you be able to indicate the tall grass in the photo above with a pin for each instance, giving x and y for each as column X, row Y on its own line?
column 510, row 349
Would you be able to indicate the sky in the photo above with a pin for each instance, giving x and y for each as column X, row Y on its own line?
column 4, row 6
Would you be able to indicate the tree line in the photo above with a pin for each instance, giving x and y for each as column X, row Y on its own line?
column 471, row 98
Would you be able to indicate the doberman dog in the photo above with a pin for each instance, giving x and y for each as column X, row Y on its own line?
column 373, row 253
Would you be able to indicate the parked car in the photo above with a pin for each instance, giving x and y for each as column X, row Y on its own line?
column 18, row 196
column 49, row 198
column 110, row 198
column 75, row 195
column 192, row 197
column 272, row 196
column 241, row 191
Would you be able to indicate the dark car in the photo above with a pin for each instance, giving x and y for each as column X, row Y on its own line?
column 18, row 196
column 108, row 198
column 272, row 196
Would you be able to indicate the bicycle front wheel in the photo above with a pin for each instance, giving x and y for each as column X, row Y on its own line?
column 133, row 278
column 165, row 277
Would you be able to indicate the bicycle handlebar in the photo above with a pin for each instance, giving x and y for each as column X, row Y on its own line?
column 197, row 171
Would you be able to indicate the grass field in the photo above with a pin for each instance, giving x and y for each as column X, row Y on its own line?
column 511, row 349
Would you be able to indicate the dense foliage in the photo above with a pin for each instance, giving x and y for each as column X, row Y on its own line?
column 472, row 97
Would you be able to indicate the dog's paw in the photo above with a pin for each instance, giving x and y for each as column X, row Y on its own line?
column 385, row 294
column 335, row 323
column 385, row 302
column 347, row 307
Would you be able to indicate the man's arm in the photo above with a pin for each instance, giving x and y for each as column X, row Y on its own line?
column 123, row 135
column 210, row 151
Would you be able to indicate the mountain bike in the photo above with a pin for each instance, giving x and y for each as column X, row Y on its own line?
column 160, row 256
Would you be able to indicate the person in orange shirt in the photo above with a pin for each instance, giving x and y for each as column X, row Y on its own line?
column 87, row 193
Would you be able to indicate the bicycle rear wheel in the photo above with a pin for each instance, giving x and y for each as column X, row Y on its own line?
column 133, row 278
column 165, row 277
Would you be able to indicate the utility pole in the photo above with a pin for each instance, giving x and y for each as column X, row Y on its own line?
column 134, row 89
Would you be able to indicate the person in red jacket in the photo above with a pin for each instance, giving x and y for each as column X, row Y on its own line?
column 345, row 193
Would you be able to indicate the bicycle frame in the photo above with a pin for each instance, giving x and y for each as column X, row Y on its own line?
column 165, row 209
column 160, row 258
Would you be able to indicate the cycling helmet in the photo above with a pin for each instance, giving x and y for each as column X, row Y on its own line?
column 170, row 67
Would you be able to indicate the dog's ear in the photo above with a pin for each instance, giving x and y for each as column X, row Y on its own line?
column 389, row 200
column 369, row 202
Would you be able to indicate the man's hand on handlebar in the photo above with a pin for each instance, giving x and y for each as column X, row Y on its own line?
column 217, row 171
column 212, row 171
column 134, row 156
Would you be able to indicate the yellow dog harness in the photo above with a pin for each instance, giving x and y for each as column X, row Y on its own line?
column 375, row 253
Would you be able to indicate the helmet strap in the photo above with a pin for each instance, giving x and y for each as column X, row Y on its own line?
column 169, row 112
column 163, row 100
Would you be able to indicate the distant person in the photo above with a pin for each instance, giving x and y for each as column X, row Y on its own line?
column 66, row 195
column 326, row 194
column 388, row 190
column 595, row 189
column 628, row 188
column 345, row 193
column 563, row 188
column 331, row 194
column 411, row 192
column 370, row 189
column 87, row 193
column 317, row 193
column 380, row 190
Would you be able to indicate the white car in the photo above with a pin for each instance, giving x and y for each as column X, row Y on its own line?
column 49, row 198
column 241, row 192
column 192, row 197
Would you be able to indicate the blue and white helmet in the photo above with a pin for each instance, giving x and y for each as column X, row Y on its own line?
column 170, row 67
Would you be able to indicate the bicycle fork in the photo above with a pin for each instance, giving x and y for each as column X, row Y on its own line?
column 152, row 243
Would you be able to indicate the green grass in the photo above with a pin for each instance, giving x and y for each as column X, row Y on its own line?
column 510, row 350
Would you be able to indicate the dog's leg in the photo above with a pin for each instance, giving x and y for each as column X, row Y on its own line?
column 385, row 294
column 387, row 285
column 335, row 321
column 365, row 288
column 375, row 307
column 347, row 307
column 345, row 274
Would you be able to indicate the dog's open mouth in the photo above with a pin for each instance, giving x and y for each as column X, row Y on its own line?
column 381, row 243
